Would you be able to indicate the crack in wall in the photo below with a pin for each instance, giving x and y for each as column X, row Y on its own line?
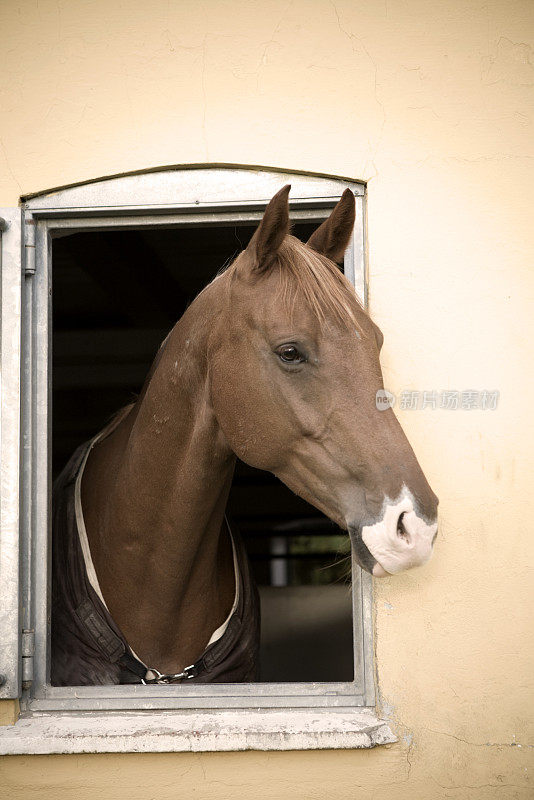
column 478, row 744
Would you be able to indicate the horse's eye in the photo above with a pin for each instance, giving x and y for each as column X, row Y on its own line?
column 289, row 354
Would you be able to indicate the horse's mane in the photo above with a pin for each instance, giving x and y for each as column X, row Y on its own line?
column 308, row 274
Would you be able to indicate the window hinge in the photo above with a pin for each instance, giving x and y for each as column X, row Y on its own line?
column 28, row 651
column 29, row 245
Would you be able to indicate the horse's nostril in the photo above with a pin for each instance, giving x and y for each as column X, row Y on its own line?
column 434, row 538
column 402, row 533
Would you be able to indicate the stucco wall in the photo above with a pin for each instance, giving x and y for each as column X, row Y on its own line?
column 431, row 103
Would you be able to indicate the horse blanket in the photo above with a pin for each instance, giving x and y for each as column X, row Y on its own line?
column 89, row 648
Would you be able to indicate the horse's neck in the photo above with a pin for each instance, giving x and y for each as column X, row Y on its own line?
column 154, row 495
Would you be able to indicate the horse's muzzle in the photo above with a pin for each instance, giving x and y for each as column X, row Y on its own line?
column 365, row 558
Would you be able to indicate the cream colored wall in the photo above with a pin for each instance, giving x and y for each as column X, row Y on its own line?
column 431, row 103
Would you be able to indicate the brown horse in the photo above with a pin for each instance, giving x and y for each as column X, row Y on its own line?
column 277, row 363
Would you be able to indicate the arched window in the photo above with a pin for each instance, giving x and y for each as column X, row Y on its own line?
column 101, row 283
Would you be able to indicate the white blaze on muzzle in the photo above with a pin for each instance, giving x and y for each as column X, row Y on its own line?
column 401, row 539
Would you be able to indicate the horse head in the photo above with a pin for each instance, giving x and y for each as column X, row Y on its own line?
column 294, row 372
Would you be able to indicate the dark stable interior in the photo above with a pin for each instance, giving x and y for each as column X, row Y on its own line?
column 116, row 295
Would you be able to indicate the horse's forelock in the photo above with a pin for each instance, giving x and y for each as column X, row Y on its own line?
column 311, row 275
column 305, row 273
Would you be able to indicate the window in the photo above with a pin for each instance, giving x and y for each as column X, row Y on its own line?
column 131, row 217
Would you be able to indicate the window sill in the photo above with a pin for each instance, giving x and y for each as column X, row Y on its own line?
column 195, row 731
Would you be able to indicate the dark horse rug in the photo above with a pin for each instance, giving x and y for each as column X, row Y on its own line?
column 88, row 647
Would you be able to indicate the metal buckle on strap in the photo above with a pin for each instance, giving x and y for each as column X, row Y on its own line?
column 160, row 678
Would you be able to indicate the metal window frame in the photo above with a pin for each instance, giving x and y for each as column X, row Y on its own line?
column 214, row 196
column 11, row 613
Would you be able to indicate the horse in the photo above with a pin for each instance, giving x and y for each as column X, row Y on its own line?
column 275, row 362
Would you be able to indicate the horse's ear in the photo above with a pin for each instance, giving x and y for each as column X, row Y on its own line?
column 332, row 237
column 270, row 234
